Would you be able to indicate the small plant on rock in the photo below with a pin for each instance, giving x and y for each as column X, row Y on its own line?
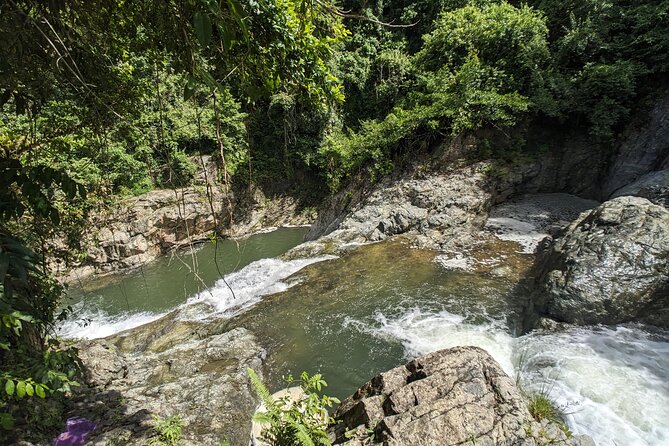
column 295, row 423
column 167, row 432
column 542, row 407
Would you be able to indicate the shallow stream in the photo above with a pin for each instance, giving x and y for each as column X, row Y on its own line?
column 380, row 304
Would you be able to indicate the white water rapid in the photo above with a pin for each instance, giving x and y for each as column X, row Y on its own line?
column 612, row 383
column 250, row 284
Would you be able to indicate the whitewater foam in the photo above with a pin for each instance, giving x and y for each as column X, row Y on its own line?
column 236, row 292
column 246, row 287
column 99, row 324
column 422, row 332
column 613, row 383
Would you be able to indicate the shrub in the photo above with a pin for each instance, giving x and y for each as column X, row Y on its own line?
column 33, row 365
column 303, row 422
column 167, row 432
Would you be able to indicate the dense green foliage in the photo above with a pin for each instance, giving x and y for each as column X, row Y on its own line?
column 101, row 98
column 295, row 423
column 34, row 365
column 489, row 64
column 112, row 97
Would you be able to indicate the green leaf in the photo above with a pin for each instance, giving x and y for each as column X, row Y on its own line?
column 262, row 417
column 239, row 14
column 202, row 24
column 209, row 80
column 9, row 387
column 228, row 38
column 21, row 389
column 39, row 390
column 190, row 87
column 30, row 390
column 6, row 421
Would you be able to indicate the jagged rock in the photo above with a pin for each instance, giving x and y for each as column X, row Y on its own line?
column 171, row 368
column 450, row 397
column 611, row 265
column 439, row 211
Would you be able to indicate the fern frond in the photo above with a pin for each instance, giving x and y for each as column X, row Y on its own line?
column 262, row 417
column 261, row 390
column 302, row 435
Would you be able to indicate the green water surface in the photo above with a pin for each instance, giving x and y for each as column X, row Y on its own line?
column 320, row 324
column 168, row 281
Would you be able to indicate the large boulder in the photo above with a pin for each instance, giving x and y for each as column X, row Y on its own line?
column 170, row 368
column 611, row 265
column 450, row 397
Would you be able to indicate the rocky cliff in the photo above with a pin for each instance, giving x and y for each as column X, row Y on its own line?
column 139, row 229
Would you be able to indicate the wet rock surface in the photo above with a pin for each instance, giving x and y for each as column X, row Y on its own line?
column 170, row 368
column 449, row 397
column 611, row 265
column 645, row 149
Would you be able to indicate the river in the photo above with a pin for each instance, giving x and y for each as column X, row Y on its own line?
column 381, row 304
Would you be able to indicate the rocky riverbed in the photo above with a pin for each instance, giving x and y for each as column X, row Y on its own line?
column 149, row 370
column 425, row 260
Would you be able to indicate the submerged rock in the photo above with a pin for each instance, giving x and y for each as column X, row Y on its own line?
column 449, row 397
column 202, row 379
column 611, row 265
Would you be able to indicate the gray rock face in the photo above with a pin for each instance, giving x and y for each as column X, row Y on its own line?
column 439, row 211
column 611, row 265
column 654, row 186
column 143, row 228
column 140, row 229
column 456, row 396
column 644, row 150
column 171, row 368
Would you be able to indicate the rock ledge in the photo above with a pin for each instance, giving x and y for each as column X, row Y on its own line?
column 450, row 397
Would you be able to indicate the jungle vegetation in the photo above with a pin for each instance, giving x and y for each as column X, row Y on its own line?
column 104, row 98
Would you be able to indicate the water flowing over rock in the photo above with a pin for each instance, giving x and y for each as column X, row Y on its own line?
column 611, row 265
column 171, row 368
column 450, row 397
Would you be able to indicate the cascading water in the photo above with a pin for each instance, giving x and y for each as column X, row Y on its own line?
column 381, row 304
column 113, row 304
column 611, row 382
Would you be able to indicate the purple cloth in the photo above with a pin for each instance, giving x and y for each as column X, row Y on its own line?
column 78, row 428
